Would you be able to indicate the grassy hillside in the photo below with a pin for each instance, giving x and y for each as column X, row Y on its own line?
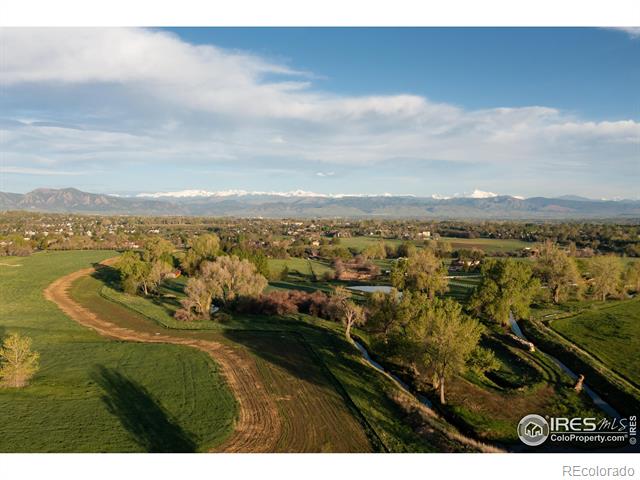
column 315, row 416
column 611, row 334
column 304, row 380
column 94, row 395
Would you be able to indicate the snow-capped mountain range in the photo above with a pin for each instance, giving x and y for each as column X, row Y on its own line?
column 303, row 194
column 302, row 204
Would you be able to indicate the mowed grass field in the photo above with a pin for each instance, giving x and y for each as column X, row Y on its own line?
column 321, row 384
column 301, row 266
column 96, row 395
column 315, row 416
column 489, row 245
column 611, row 334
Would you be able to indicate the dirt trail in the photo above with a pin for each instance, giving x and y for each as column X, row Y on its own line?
column 258, row 426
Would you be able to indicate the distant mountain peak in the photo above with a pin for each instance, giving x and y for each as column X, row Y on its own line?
column 303, row 204
column 245, row 193
column 482, row 194
column 575, row 198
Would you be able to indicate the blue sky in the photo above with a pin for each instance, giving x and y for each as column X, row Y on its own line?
column 413, row 110
column 574, row 69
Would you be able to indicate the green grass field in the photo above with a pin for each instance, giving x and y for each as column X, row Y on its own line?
column 611, row 334
column 283, row 363
column 315, row 415
column 360, row 243
column 300, row 266
column 95, row 395
column 489, row 245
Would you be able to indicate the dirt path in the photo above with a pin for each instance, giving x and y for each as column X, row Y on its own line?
column 258, row 426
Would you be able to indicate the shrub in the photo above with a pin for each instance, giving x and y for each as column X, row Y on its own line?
column 286, row 302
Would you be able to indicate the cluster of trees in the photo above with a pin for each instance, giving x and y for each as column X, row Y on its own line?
column 201, row 248
column 607, row 276
column 18, row 363
column 604, row 275
column 510, row 286
column 413, row 326
column 506, row 287
column 606, row 237
column 421, row 271
column 431, row 335
column 15, row 245
column 223, row 282
column 144, row 271
column 215, row 279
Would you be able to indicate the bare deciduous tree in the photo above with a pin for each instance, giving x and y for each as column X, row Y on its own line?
column 18, row 364
column 226, row 279
column 342, row 308
column 229, row 277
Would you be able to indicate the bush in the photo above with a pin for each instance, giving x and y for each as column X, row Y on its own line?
column 286, row 302
column 483, row 360
column 278, row 303
column 222, row 317
column 328, row 276
column 184, row 315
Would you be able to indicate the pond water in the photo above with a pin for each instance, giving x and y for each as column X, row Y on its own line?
column 371, row 288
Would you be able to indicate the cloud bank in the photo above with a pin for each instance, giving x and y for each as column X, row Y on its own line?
column 126, row 98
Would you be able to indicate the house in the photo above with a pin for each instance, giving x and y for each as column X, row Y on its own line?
column 533, row 429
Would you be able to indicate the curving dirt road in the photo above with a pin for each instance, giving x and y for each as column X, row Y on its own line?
column 258, row 426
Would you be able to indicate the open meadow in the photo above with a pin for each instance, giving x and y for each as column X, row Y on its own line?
column 96, row 395
column 129, row 376
column 327, row 398
column 488, row 245
column 609, row 333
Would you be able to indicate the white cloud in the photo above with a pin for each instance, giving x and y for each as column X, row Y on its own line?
column 633, row 32
column 138, row 96
column 38, row 171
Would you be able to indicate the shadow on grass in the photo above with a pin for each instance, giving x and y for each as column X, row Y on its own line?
column 283, row 349
column 107, row 275
column 110, row 277
column 141, row 415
